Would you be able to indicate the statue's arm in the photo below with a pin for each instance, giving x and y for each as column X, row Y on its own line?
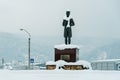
column 72, row 23
column 65, row 22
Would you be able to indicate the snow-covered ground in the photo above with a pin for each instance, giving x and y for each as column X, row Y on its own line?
column 58, row 75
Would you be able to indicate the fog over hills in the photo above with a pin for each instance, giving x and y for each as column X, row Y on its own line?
column 15, row 47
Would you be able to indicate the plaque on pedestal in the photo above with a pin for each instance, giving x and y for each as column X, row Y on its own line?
column 68, row 53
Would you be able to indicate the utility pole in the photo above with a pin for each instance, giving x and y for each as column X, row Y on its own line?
column 29, row 38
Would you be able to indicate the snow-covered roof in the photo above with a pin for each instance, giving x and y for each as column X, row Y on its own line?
column 60, row 62
column 50, row 63
column 56, row 63
column 64, row 46
column 108, row 60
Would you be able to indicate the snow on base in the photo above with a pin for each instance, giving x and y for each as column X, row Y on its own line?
column 64, row 46
column 81, row 62
column 60, row 63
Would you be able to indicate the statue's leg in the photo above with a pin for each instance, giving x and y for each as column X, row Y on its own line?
column 65, row 35
column 66, row 40
column 69, row 35
column 69, row 40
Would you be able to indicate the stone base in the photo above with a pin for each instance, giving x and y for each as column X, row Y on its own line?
column 68, row 53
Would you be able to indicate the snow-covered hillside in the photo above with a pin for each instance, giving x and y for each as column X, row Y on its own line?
column 14, row 47
column 58, row 75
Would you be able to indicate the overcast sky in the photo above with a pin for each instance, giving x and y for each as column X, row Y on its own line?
column 44, row 17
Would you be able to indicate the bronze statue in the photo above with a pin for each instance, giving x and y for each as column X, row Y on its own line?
column 68, row 23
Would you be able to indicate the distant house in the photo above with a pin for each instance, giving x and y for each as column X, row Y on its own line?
column 110, row 64
column 1, row 62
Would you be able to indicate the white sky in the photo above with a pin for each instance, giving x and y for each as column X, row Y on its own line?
column 44, row 17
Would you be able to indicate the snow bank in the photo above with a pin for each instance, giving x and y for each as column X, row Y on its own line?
column 64, row 46
column 58, row 75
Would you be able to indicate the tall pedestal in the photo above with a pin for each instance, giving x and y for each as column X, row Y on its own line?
column 68, row 53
